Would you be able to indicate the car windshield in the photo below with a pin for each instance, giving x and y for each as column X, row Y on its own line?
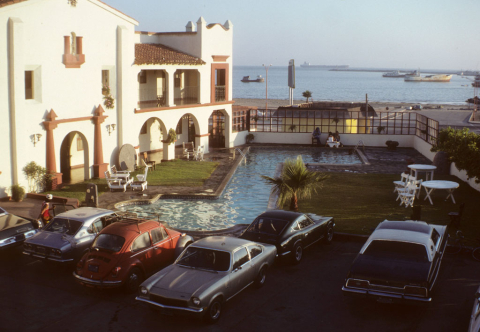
column 397, row 250
column 208, row 259
column 108, row 242
column 267, row 226
column 63, row 226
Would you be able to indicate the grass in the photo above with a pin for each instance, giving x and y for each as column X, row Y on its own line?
column 173, row 173
column 360, row 201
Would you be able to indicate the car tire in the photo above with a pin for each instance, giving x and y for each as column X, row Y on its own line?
column 214, row 311
column 328, row 238
column 133, row 280
column 297, row 253
column 261, row 278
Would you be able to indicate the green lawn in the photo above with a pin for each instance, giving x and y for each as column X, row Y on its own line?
column 173, row 173
column 360, row 201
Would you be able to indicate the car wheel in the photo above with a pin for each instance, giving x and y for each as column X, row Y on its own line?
column 328, row 235
column 261, row 277
column 134, row 279
column 214, row 311
column 297, row 253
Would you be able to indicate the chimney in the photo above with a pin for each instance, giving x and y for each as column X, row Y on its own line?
column 190, row 26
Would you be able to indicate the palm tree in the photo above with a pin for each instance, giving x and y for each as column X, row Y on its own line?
column 307, row 94
column 295, row 182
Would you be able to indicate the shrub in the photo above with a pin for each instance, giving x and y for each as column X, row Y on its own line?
column 18, row 192
column 37, row 177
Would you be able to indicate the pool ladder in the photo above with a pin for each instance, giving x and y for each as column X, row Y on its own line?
column 241, row 153
column 360, row 142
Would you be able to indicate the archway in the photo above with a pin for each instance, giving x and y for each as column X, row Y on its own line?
column 74, row 163
column 187, row 129
column 216, row 128
column 152, row 132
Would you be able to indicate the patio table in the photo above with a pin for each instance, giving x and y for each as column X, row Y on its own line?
column 428, row 169
column 449, row 186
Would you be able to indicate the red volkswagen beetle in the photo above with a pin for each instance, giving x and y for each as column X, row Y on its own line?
column 126, row 252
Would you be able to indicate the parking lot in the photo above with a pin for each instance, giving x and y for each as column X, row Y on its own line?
column 308, row 297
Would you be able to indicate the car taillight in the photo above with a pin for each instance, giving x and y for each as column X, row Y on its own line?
column 80, row 264
column 115, row 271
column 357, row 283
column 416, row 291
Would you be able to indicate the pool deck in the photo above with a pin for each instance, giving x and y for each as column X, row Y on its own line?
column 380, row 160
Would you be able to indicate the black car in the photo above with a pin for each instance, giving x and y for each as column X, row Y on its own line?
column 399, row 262
column 14, row 229
column 290, row 232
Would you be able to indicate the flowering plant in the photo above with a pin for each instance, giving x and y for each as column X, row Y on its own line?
column 109, row 102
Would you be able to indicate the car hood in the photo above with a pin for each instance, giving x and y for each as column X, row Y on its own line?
column 11, row 225
column 178, row 281
column 50, row 239
column 395, row 271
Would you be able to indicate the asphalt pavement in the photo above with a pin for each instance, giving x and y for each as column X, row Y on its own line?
column 307, row 297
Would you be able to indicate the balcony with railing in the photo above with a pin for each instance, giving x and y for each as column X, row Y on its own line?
column 220, row 93
column 187, row 95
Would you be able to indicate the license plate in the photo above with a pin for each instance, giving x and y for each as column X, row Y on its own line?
column 93, row 268
column 40, row 250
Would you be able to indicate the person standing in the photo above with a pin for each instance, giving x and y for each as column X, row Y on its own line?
column 45, row 213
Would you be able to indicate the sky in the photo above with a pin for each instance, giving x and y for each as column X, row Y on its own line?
column 433, row 34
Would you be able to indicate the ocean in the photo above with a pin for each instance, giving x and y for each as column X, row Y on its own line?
column 349, row 86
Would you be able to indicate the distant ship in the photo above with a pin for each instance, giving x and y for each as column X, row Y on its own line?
column 416, row 77
column 394, row 73
column 259, row 79
column 308, row 65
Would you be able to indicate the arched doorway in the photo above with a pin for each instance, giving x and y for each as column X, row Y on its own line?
column 152, row 132
column 216, row 128
column 74, row 164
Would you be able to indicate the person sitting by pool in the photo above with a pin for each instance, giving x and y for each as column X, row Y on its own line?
column 337, row 138
column 316, row 135
column 331, row 142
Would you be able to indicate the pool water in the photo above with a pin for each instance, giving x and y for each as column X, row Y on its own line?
column 246, row 195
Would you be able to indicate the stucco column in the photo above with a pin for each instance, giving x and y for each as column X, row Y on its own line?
column 203, row 141
column 168, row 151
column 50, row 124
column 99, row 167
column 171, row 88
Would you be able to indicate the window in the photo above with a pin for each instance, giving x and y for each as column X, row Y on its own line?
column 158, row 234
column 304, row 222
column 141, row 242
column 254, row 250
column 79, row 144
column 435, row 237
column 106, row 78
column 239, row 121
column 240, row 257
column 29, row 84
column 97, row 226
column 267, row 226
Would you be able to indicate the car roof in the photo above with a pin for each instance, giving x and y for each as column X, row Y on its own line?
column 405, row 231
column 84, row 213
column 130, row 227
column 225, row 243
column 281, row 214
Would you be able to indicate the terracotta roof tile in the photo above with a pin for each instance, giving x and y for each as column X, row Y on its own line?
column 158, row 54
column 4, row 3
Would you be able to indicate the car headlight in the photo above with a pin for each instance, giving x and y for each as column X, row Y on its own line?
column 6, row 241
column 196, row 301
column 143, row 291
column 30, row 233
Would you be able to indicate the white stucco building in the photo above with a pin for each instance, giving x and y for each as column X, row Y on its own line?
column 55, row 57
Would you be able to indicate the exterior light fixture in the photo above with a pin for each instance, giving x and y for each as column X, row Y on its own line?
column 35, row 138
column 110, row 128
column 73, row 3
column 266, row 85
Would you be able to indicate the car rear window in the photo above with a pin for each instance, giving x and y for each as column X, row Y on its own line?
column 109, row 242
column 202, row 258
column 397, row 250
column 63, row 226
column 268, row 226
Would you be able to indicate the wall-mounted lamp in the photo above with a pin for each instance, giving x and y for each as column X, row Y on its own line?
column 35, row 138
column 110, row 128
column 73, row 3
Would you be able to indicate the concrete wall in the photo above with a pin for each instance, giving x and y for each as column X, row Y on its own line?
column 462, row 175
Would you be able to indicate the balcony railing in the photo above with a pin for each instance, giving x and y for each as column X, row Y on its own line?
column 187, row 95
column 220, row 93
column 348, row 122
column 151, row 98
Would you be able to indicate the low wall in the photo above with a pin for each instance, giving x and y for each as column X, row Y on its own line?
column 462, row 175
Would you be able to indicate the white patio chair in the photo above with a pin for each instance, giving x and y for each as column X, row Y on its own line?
column 402, row 182
column 407, row 196
column 198, row 153
column 411, row 178
column 188, row 149
column 332, row 143
column 143, row 177
column 117, row 183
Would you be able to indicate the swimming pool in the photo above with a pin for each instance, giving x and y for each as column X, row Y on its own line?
column 246, row 195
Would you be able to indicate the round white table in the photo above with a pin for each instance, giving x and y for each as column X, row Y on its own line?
column 430, row 186
column 428, row 169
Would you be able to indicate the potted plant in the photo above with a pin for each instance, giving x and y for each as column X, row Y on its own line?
column 249, row 138
column 380, row 129
column 18, row 192
column 172, row 136
column 292, row 128
column 336, row 120
column 391, row 145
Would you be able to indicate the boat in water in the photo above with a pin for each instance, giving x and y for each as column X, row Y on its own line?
column 247, row 79
column 308, row 65
column 394, row 73
column 416, row 77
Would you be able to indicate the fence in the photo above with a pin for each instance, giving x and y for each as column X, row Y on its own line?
column 291, row 120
